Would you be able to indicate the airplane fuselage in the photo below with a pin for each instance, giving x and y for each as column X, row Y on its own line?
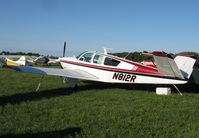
column 111, row 69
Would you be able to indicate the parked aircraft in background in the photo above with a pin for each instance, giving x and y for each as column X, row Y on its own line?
column 46, row 60
column 22, row 61
column 25, row 60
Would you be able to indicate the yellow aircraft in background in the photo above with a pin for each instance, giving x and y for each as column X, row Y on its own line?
column 20, row 62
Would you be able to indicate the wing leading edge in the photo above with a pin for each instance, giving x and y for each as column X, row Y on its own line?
column 77, row 74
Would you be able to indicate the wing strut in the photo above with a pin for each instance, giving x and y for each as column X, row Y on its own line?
column 177, row 89
column 39, row 84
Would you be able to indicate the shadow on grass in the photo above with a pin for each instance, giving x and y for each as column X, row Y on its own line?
column 188, row 88
column 68, row 132
column 31, row 96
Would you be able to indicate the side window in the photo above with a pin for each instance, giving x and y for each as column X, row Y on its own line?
column 97, row 59
column 111, row 62
column 86, row 57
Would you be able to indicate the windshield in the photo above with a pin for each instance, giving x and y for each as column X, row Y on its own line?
column 80, row 55
column 86, row 57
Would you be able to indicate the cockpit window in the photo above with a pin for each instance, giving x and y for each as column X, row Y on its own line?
column 86, row 57
column 111, row 62
column 97, row 59
column 80, row 55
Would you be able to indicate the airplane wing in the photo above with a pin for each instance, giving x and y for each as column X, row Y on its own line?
column 180, row 67
column 77, row 74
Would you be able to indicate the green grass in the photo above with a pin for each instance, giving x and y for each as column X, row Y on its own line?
column 91, row 111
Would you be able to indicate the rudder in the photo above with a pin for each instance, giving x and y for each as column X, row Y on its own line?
column 185, row 64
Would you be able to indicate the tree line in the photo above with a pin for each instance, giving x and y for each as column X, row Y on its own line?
column 19, row 53
column 135, row 56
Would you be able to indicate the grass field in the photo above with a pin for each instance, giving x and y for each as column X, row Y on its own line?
column 94, row 110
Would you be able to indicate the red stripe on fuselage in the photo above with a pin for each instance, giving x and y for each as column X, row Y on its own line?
column 148, row 71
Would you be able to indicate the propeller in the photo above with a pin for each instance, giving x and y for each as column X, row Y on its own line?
column 64, row 49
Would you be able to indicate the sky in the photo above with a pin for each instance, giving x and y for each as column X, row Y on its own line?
column 122, row 25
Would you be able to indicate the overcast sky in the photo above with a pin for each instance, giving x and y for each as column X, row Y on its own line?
column 123, row 25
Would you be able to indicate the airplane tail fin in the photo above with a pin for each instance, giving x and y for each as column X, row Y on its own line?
column 185, row 64
column 21, row 60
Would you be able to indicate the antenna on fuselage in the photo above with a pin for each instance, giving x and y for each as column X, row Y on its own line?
column 106, row 50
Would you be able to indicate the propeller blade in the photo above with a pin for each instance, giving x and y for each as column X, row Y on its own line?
column 64, row 49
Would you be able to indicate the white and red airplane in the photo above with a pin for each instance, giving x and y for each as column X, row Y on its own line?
column 103, row 67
